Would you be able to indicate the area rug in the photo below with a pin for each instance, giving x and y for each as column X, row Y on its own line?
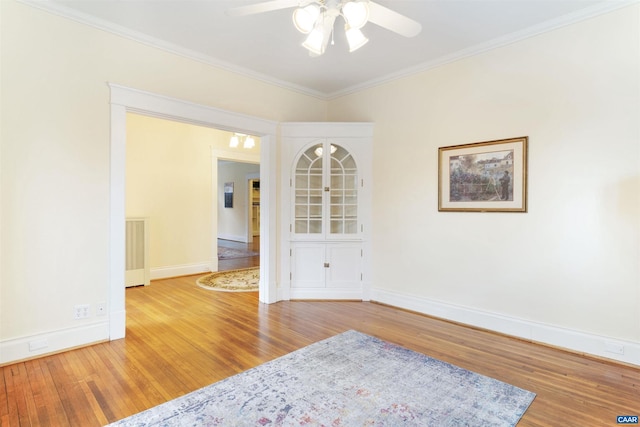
column 232, row 253
column 244, row 280
column 351, row 379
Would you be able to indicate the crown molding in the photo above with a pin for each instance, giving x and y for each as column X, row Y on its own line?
column 529, row 32
column 119, row 30
column 553, row 24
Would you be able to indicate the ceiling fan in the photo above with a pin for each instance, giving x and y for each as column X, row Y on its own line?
column 317, row 17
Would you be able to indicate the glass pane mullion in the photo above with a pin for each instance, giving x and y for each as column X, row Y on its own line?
column 308, row 193
column 320, row 212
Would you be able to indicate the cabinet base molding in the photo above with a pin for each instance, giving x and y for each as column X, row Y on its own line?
column 326, row 294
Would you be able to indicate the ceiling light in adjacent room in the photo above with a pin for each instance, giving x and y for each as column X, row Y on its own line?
column 247, row 141
column 233, row 143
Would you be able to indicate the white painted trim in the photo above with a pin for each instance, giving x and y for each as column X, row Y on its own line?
column 180, row 270
column 325, row 294
column 156, row 105
column 233, row 237
column 538, row 332
column 156, row 43
column 525, row 33
column 13, row 350
column 123, row 100
column 236, row 156
column 117, row 313
column 268, row 219
column 249, row 204
column 86, row 19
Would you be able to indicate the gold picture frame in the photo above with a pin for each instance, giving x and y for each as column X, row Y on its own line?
column 488, row 176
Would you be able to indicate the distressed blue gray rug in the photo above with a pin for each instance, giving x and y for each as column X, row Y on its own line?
column 351, row 379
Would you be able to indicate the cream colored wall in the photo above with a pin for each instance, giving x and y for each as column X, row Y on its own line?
column 169, row 180
column 571, row 262
column 55, row 129
column 233, row 223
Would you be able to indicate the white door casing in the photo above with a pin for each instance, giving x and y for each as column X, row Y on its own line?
column 123, row 100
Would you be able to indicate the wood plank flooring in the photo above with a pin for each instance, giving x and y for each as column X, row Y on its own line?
column 238, row 263
column 181, row 337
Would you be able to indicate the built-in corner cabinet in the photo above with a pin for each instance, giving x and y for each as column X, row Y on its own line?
column 327, row 218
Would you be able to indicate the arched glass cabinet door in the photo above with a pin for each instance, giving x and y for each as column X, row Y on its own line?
column 309, row 183
column 326, row 192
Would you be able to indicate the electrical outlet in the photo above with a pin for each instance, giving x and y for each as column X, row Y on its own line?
column 101, row 308
column 614, row 347
column 81, row 311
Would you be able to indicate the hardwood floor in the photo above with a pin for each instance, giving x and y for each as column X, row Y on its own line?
column 238, row 263
column 181, row 337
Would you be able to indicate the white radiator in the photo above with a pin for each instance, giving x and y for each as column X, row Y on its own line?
column 137, row 252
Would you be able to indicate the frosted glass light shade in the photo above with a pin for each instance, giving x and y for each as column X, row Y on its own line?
column 233, row 143
column 315, row 41
column 356, row 13
column 355, row 38
column 305, row 18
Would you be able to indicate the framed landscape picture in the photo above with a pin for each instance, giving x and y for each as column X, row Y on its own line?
column 486, row 176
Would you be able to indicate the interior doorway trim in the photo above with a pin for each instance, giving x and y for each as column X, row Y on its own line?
column 125, row 99
column 249, row 179
column 231, row 156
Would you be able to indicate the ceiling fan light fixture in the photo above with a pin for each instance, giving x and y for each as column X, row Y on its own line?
column 315, row 41
column 304, row 18
column 356, row 13
column 355, row 38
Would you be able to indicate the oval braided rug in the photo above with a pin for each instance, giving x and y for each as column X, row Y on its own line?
column 244, row 280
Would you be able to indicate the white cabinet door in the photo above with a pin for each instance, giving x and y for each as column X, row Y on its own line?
column 326, row 271
column 307, row 266
column 344, row 268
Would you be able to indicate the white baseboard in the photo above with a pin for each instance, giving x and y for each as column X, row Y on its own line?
column 325, row 294
column 233, row 237
column 601, row 346
column 117, row 324
column 29, row 347
column 179, row 270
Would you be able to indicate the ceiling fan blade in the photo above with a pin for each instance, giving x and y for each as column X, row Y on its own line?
column 266, row 6
column 393, row 21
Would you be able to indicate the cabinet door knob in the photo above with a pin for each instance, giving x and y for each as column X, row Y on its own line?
column 327, row 188
column 326, row 265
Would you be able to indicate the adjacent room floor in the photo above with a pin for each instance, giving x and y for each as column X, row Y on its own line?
column 242, row 261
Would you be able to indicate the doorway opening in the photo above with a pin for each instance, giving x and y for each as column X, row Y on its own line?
column 238, row 227
column 123, row 100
